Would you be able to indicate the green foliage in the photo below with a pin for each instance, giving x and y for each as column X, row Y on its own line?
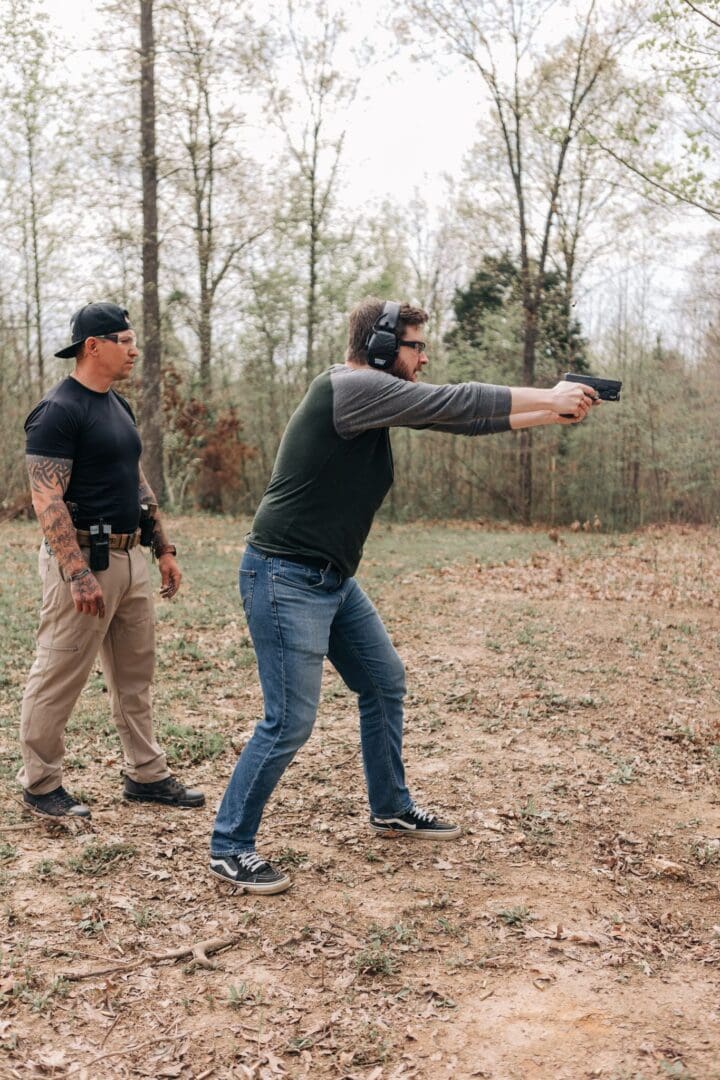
column 243, row 995
column 144, row 917
column 184, row 743
column 98, row 859
column 514, row 916
column 376, row 959
column 29, row 989
column 91, row 927
column 707, row 852
column 44, row 870
column 684, row 45
column 371, row 1046
column 288, row 858
column 486, row 341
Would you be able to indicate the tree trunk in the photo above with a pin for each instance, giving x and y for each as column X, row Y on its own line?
column 36, row 289
column 151, row 407
column 27, row 322
column 312, row 275
column 37, row 295
column 205, row 333
column 530, row 333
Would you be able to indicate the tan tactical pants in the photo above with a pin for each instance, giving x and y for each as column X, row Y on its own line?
column 67, row 646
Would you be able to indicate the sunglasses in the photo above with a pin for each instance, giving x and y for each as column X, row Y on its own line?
column 132, row 340
column 418, row 346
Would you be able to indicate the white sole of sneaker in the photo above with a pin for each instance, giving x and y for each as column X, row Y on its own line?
column 417, row 834
column 270, row 889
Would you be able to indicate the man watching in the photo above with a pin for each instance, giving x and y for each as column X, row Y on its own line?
column 83, row 454
column 332, row 472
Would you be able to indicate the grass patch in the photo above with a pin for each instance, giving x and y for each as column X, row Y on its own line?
column 373, row 1046
column 44, row 870
column 184, row 743
column 376, row 959
column 97, row 859
column 624, row 773
column 7, row 853
column 408, row 548
column 707, row 852
column 10, row 762
column 289, row 858
column 91, row 927
column 244, row 996
column 30, row 991
column 514, row 916
column 143, row 917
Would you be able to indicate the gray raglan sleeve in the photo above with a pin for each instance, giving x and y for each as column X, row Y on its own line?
column 364, row 399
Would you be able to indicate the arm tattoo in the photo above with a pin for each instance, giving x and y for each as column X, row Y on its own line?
column 48, row 474
column 61, row 536
column 49, row 479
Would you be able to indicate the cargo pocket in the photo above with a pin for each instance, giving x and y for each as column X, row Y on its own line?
column 61, row 627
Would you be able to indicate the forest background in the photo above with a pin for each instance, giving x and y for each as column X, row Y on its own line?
column 195, row 163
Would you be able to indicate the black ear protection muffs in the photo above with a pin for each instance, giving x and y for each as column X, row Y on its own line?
column 382, row 344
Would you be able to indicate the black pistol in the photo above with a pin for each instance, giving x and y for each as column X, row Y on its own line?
column 606, row 389
column 147, row 526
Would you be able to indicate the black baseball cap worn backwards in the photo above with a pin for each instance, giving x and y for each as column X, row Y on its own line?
column 94, row 320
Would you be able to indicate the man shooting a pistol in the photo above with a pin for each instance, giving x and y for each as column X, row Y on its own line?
column 333, row 469
column 83, row 457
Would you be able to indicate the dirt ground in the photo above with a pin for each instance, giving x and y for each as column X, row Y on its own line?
column 564, row 707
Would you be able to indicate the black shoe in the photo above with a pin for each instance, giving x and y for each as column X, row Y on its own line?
column 416, row 823
column 169, row 791
column 57, row 804
column 250, row 873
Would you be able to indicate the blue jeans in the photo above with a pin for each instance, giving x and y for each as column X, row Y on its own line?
column 297, row 616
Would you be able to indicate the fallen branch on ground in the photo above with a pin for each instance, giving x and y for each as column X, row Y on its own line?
column 198, row 952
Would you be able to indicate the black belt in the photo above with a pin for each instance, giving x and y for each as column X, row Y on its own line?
column 316, row 561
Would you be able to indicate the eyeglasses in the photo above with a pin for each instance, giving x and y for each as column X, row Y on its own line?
column 418, row 346
column 132, row 340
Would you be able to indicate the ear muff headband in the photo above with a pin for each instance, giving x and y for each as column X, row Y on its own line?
column 382, row 343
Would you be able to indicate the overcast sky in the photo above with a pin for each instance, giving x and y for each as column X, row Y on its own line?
column 392, row 91
column 441, row 102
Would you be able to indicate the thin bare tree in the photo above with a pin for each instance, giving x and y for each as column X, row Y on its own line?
column 151, row 408
column 211, row 58
column 306, row 98
column 502, row 42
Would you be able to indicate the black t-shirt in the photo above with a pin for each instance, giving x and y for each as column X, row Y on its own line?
column 97, row 433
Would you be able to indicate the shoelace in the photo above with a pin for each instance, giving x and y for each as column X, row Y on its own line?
column 422, row 815
column 252, row 862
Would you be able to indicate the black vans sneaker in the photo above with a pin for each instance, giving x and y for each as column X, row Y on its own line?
column 169, row 791
column 250, row 873
column 416, row 823
column 56, row 804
